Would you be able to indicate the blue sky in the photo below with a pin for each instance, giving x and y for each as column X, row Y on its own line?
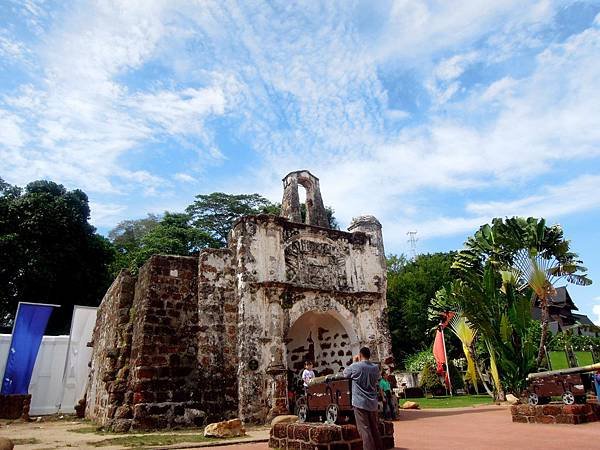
column 433, row 116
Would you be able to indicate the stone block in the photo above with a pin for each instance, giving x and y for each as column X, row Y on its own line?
column 324, row 434
column 280, row 430
column 123, row 412
column 519, row 418
column 275, row 443
column 144, row 373
column 545, row 419
column 566, row 418
column 552, row 410
column 576, row 409
column 301, row 431
column 121, row 425
column 349, row 432
column 294, row 445
column 339, row 446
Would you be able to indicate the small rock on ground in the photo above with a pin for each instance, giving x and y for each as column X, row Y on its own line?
column 410, row 405
column 6, row 444
column 284, row 419
column 227, row 428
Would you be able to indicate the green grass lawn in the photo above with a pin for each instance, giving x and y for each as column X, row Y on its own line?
column 458, row 401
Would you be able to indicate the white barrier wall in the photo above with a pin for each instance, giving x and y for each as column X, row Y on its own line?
column 58, row 383
column 46, row 381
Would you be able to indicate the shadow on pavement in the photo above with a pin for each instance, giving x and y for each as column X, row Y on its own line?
column 424, row 413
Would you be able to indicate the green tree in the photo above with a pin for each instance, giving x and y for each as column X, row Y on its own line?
column 411, row 286
column 128, row 234
column 173, row 234
column 215, row 213
column 49, row 252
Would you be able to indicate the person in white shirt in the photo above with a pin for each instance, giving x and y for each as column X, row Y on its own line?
column 308, row 373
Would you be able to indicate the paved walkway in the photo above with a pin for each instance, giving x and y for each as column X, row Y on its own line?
column 488, row 427
column 480, row 428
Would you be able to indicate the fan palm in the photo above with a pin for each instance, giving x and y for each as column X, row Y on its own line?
column 541, row 274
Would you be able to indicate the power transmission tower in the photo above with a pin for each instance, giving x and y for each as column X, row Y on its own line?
column 412, row 240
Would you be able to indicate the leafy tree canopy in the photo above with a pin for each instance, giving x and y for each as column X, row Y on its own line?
column 215, row 213
column 411, row 286
column 49, row 253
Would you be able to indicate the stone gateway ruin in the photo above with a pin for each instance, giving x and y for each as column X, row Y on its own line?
column 191, row 340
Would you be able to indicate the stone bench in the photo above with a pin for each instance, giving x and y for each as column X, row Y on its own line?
column 556, row 413
column 319, row 436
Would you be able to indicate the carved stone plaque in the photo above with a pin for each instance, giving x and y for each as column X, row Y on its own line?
column 315, row 263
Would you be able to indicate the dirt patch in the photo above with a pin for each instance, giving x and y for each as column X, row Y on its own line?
column 59, row 434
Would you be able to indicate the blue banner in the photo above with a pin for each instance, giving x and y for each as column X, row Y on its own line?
column 28, row 331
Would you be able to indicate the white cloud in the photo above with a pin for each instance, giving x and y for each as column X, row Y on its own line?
column 451, row 68
column 106, row 214
column 11, row 49
column 302, row 87
column 11, row 135
column 555, row 200
column 80, row 120
column 185, row 178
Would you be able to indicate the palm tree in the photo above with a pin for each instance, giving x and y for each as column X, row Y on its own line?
column 541, row 274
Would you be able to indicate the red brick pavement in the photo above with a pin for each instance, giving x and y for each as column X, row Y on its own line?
column 479, row 428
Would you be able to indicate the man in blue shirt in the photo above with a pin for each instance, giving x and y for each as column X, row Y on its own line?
column 365, row 380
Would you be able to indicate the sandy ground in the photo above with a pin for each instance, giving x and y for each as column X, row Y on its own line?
column 55, row 435
column 488, row 427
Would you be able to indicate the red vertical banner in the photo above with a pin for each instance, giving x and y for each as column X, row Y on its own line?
column 439, row 348
column 440, row 355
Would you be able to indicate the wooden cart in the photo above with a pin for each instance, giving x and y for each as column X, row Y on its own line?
column 328, row 398
column 569, row 384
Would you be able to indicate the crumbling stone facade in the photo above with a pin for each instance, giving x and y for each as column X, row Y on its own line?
column 196, row 339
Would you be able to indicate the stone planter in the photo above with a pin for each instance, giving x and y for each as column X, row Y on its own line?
column 287, row 436
column 556, row 413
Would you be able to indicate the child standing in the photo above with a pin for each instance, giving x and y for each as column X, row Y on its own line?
column 308, row 373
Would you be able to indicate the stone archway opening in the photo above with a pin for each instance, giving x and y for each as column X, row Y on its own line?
column 322, row 338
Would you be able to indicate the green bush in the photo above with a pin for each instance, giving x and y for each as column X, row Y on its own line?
column 429, row 378
column 417, row 361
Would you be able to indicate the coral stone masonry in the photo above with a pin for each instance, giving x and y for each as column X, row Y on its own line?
column 320, row 436
column 556, row 413
column 192, row 340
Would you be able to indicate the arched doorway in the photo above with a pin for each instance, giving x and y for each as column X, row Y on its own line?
column 322, row 338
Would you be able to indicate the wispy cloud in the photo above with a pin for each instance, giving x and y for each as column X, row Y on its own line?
column 499, row 103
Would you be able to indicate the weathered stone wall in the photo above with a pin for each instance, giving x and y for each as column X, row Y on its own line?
column 164, row 371
column 211, row 337
column 111, row 340
column 217, row 336
column 284, row 270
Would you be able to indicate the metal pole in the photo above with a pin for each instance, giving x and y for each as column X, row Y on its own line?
column 447, row 362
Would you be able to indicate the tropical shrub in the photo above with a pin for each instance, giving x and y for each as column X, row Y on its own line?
column 417, row 361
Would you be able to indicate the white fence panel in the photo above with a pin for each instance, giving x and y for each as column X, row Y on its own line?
column 46, row 381
column 76, row 366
